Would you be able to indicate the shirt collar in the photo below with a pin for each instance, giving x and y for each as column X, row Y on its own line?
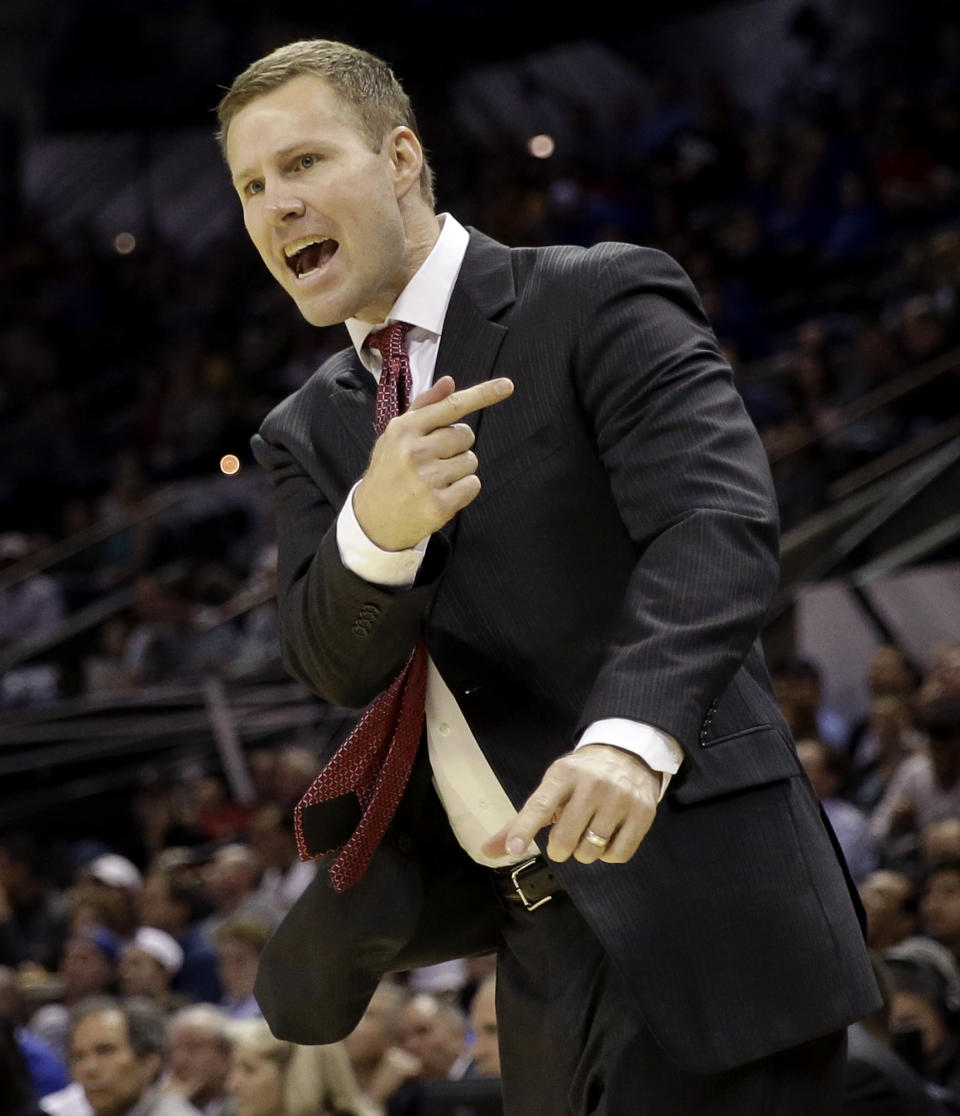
column 424, row 300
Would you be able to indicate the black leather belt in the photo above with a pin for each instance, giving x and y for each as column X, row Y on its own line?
column 531, row 882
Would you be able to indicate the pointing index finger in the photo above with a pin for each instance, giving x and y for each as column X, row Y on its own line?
column 459, row 404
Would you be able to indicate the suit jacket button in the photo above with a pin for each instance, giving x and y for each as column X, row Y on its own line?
column 360, row 630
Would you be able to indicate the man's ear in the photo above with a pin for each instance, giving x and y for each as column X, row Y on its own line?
column 406, row 159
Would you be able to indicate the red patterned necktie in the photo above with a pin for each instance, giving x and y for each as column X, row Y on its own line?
column 375, row 760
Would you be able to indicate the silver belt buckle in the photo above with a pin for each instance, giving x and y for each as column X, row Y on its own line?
column 528, row 905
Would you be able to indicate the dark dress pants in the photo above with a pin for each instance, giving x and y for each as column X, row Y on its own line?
column 574, row 1044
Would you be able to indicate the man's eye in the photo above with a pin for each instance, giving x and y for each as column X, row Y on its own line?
column 254, row 186
column 307, row 161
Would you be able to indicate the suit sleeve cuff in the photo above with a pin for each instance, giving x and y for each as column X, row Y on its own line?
column 656, row 748
column 395, row 568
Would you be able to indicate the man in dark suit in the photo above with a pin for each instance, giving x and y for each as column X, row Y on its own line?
column 576, row 515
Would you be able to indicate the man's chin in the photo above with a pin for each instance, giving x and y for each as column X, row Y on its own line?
column 321, row 312
column 102, row 1102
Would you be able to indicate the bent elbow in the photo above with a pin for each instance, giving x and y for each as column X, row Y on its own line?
column 338, row 687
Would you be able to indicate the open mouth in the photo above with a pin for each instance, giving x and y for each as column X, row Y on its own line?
column 309, row 255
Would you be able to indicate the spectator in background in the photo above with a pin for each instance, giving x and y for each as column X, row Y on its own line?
column 941, row 841
column 48, row 1071
column 120, row 880
column 381, row 1066
column 262, row 764
column 478, row 969
column 29, row 608
column 943, row 675
column 926, row 787
column 483, row 1023
column 433, row 1031
column 925, row 998
column 117, row 1051
column 887, row 739
column 113, row 870
column 105, row 670
column 940, row 905
column 447, row 980
column 892, row 903
column 798, row 688
column 148, row 964
column 32, row 919
column 296, row 768
column 285, row 875
column 89, row 905
column 274, row 1078
column 183, row 862
column 877, row 1081
column 230, row 880
column 198, row 1058
column 239, row 943
column 168, row 812
column 175, row 904
column 888, row 676
column 824, row 768
column 219, row 817
column 170, row 643
column 88, row 967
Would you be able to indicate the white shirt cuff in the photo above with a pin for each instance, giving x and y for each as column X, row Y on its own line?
column 396, row 568
column 656, row 748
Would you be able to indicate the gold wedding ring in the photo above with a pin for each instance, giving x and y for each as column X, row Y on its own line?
column 596, row 840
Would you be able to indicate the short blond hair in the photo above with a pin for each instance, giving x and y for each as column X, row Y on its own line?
column 312, row 1078
column 361, row 80
column 250, row 932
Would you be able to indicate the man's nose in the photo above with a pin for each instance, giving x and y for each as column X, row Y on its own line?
column 283, row 206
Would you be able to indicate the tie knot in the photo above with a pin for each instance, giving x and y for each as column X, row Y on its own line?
column 390, row 342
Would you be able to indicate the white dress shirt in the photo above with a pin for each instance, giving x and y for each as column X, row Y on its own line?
column 476, row 804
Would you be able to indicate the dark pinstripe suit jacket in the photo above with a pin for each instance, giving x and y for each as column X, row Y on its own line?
column 617, row 563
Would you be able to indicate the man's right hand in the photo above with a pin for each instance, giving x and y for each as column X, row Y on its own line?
column 422, row 470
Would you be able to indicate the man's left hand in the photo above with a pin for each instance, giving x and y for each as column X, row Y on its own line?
column 598, row 789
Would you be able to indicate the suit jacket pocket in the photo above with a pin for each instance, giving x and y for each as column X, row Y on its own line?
column 749, row 758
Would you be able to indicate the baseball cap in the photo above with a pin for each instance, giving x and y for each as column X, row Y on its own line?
column 161, row 946
column 115, row 870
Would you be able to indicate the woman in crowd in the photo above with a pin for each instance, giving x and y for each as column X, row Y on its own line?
column 270, row 1077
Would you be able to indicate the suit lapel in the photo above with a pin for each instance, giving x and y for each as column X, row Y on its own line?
column 351, row 406
column 471, row 340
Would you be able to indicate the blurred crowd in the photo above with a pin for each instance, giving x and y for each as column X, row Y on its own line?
column 146, row 956
column 889, row 783
column 130, row 988
column 824, row 239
